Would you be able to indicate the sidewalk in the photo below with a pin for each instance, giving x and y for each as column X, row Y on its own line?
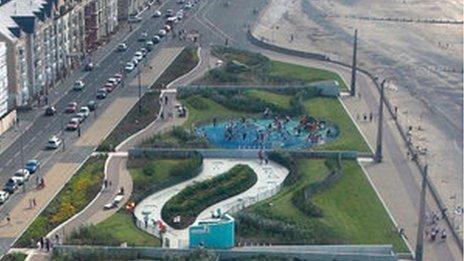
column 21, row 215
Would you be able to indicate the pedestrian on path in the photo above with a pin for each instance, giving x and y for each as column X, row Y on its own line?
column 110, row 183
column 34, row 202
column 57, row 239
column 371, row 116
column 47, row 244
column 42, row 245
column 105, row 184
column 8, row 218
column 365, row 117
column 30, row 203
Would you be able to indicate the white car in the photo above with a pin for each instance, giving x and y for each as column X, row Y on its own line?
column 129, row 67
column 78, row 85
column 157, row 13
column 138, row 56
column 21, row 176
column 114, row 203
column 84, row 111
column 113, row 81
column 4, row 196
column 162, row 33
column 54, row 142
column 143, row 37
column 122, row 47
column 134, row 19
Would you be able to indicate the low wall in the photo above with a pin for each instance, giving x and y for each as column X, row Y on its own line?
column 241, row 153
column 371, row 253
column 7, row 121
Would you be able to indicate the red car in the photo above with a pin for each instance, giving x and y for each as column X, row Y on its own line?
column 73, row 124
column 118, row 77
column 109, row 87
column 71, row 108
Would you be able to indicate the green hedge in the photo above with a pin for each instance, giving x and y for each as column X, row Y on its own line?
column 195, row 198
column 181, row 172
column 76, row 194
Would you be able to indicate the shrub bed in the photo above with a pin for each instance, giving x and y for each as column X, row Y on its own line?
column 195, row 198
column 76, row 194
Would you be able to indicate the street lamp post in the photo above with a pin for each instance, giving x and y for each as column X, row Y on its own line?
column 140, row 90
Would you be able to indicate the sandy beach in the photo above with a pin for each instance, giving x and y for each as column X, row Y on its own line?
column 416, row 45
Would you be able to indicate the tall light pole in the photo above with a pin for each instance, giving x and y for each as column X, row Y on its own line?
column 140, row 90
column 353, row 67
column 378, row 152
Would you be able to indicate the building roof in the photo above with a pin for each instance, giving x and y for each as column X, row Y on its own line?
column 20, row 16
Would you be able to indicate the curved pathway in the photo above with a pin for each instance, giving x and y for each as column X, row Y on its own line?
column 269, row 180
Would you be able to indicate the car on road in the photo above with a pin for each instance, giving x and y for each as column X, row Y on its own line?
column 113, row 81
column 101, row 93
column 149, row 45
column 79, row 117
column 157, row 14
column 84, row 111
column 32, row 165
column 50, row 111
column 11, row 186
column 162, row 33
column 92, row 105
column 119, row 77
column 54, row 142
column 138, row 56
column 167, row 28
column 109, row 87
column 188, row 6
column 4, row 196
column 129, row 67
column 156, row 39
column 143, row 51
column 143, row 37
column 73, row 124
column 116, row 200
column 21, row 176
column 78, row 85
column 89, row 67
column 171, row 20
column 180, row 15
column 134, row 19
column 122, row 47
column 169, row 13
column 71, row 107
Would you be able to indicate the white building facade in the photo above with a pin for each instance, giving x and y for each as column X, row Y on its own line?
column 3, row 81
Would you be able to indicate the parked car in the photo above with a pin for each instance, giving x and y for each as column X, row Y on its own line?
column 54, row 142
column 21, row 176
column 113, row 81
column 169, row 13
column 161, row 33
column 92, row 105
column 78, row 85
column 89, row 67
column 118, row 77
column 32, row 165
column 129, row 67
column 156, row 39
column 157, row 13
column 50, row 111
column 143, row 37
column 180, row 15
column 144, row 52
column 181, row 2
column 122, row 47
column 71, row 107
column 11, row 186
column 79, row 117
column 138, row 56
column 135, row 61
column 73, row 124
column 134, row 19
column 84, row 111
column 108, row 87
column 188, row 6
column 167, row 28
column 149, row 45
column 4, row 196
column 101, row 93
column 171, row 20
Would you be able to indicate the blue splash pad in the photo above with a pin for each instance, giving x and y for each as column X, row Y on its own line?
column 265, row 133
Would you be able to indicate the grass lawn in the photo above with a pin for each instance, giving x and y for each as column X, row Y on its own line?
column 352, row 213
column 160, row 170
column 208, row 110
column 76, row 194
column 14, row 256
column 331, row 109
column 121, row 227
column 303, row 73
column 274, row 98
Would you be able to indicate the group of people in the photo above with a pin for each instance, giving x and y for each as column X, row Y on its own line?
column 47, row 244
column 433, row 231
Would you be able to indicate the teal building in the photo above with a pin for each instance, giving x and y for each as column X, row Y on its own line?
column 214, row 233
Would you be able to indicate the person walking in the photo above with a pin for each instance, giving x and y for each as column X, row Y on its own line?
column 8, row 218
